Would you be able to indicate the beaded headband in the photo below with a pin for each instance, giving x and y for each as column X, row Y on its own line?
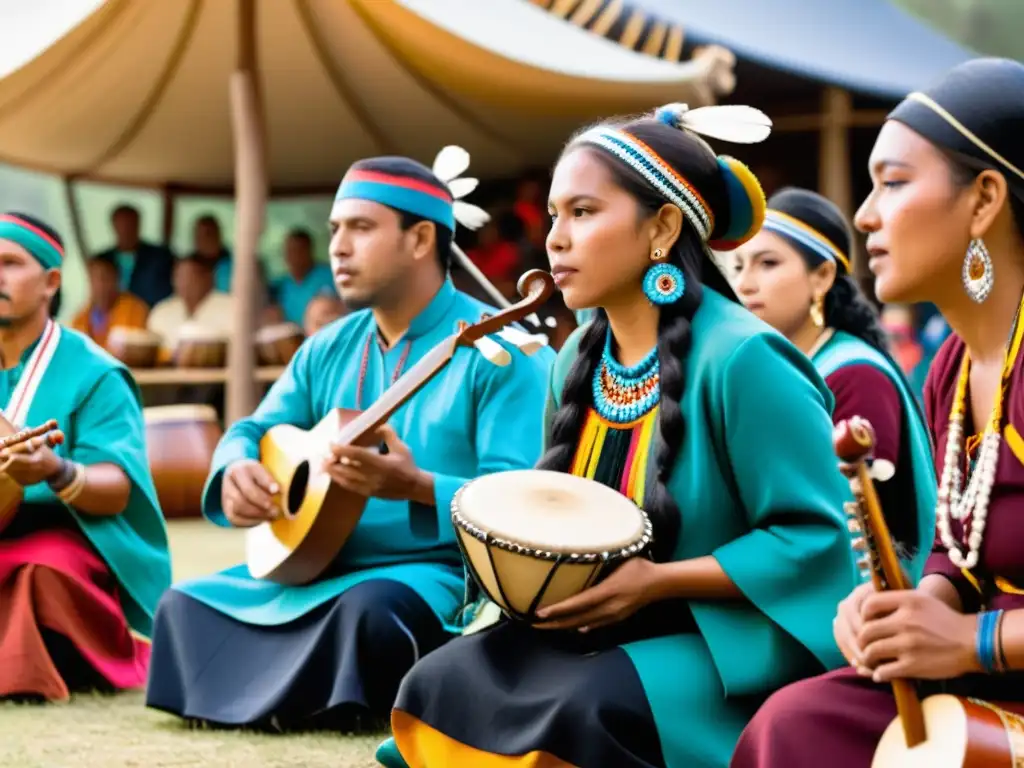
column 735, row 123
column 805, row 235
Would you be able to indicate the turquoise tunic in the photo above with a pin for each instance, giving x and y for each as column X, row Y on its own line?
column 842, row 350
column 758, row 488
column 98, row 406
column 471, row 419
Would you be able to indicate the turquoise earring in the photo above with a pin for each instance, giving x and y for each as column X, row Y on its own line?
column 663, row 283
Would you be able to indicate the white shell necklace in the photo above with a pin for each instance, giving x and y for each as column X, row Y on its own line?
column 972, row 502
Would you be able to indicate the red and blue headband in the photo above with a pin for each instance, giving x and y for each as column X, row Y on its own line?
column 42, row 245
column 414, row 196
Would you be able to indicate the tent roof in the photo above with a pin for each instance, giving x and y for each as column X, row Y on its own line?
column 138, row 92
column 869, row 46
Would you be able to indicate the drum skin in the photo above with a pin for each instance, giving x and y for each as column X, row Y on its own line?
column 277, row 344
column 200, row 347
column 532, row 538
column 180, row 441
column 135, row 347
column 961, row 733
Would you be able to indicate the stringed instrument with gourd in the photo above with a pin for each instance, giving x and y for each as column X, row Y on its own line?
column 942, row 731
column 13, row 441
column 318, row 516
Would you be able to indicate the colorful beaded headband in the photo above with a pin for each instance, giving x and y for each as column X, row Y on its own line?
column 43, row 247
column 805, row 235
column 735, row 123
column 658, row 173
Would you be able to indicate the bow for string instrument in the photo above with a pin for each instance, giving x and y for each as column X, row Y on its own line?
column 942, row 731
column 318, row 515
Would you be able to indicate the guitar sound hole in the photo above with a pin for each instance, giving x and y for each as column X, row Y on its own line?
column 297, row 488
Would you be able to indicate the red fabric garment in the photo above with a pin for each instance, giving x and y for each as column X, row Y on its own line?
column 61, row 622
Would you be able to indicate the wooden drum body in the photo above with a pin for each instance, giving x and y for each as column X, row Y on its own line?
column 962, row 733
column 276, row 344
column 532, row 538
column 135, row 347
column 200, row 347
column 180, row 441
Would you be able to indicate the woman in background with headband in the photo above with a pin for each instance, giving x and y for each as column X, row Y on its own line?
column 945, row 224
column 795, row 275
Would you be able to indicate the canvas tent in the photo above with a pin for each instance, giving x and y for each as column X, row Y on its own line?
column 138, row 94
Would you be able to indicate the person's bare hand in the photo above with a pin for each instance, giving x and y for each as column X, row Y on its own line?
column 847, row 624
column 247, row 494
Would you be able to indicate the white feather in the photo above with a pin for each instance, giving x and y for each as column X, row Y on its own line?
column 450, row 163
column 493, row 351
column 469, row 215
column 462, row 187
column 735, row 123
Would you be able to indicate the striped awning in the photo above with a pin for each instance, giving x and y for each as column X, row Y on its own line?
column 870, row 46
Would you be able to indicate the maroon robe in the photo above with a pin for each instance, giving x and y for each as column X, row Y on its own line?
column 843, row 715
column 862, row 389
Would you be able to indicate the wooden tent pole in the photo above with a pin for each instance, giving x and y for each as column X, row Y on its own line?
column 75, row 214
column 170, row 202
column 251, row 189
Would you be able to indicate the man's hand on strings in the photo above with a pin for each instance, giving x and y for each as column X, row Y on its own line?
column 370, row 472
column 30, row 462
column 247, row 494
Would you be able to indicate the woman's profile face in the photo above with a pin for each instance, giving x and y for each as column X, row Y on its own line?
column 916, row 220
column 773, row 281
column 598, row 246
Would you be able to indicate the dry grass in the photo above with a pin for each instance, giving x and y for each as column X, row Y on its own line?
column 118, row 731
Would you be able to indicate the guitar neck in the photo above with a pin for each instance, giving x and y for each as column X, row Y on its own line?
column 398, row 393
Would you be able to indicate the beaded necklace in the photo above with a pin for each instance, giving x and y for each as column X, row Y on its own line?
column 954, row 501
column 624, row 394
column 371, row 337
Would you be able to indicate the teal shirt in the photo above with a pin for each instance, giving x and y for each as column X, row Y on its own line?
column 844, row 349
column 758, row 487
column 293, row 296
column 473, row 418
column 98, row 406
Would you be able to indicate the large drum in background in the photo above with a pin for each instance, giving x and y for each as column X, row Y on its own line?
column 532, row 537
column 135, row 347
column 180, row 441
column 201, row 347
column 276, row 344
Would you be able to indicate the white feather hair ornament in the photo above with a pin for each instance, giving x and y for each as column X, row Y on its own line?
column 451, row 162
column 735, row 123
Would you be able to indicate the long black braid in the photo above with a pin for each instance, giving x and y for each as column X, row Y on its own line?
column 674, row 327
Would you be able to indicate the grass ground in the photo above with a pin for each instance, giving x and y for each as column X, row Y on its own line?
column 119, row 732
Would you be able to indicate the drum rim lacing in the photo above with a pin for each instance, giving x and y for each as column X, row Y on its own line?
column 594, row 557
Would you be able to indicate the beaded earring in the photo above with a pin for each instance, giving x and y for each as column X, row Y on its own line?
column 977, row 273
column 663, row 283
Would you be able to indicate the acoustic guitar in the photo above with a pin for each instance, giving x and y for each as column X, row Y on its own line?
column 318, row 516
column 17, row 441
column 943, row 731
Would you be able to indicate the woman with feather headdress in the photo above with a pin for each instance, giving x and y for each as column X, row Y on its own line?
column 712, row 423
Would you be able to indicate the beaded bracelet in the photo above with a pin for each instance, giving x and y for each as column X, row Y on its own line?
column 985, row 640
column 62, row 477
column 75, row 488
column 1003, row 666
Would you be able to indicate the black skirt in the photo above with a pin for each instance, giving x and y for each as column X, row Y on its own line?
column 513, row 690
column 337, row 667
